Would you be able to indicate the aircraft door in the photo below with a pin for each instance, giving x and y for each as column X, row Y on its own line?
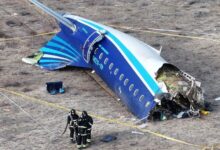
column 88, row 46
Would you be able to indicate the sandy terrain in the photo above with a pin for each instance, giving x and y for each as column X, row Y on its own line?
column 199, row 57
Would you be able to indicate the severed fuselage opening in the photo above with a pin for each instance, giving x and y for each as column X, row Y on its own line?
column 181, row 94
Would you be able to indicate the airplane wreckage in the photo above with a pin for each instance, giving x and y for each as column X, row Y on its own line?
column 147, row 85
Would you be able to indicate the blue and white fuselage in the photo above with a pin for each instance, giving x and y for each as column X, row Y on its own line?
column 127, row 65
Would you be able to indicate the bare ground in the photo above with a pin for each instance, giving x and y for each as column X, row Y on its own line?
column 199, row 57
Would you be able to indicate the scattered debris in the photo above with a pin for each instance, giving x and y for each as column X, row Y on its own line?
column 55, row 87
column 144, row 125
column 183, row 114
column 33, row 59
column 108, row 138
column 217, row 99
column 203, row 112
column 6, row 110
column 14, row 14
column 136, row 132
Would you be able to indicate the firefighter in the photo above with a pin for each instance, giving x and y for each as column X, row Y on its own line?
column 72, row 123
column 82, row 134
column 89, row 121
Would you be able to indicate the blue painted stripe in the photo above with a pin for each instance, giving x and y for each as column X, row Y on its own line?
column 51, row 60
column 56, row 53
column 65, row 43
column 146, row 76
column 62, row 51
column 104, row 50
column 86, row 32
column 74, row 51
column 53, row 44
column 53, row 66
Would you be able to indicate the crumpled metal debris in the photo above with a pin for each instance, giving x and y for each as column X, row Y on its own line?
column 217, row 99
column 182, row 97
column 33, row 59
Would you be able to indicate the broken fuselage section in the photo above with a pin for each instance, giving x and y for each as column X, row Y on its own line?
column 182, row 95
column 135, row 71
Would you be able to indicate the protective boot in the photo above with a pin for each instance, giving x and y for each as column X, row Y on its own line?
column 79, row 146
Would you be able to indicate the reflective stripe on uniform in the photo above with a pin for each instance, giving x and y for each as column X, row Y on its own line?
column 83, row 134
column 78, row 146
column 84, row 146
column 82, row 127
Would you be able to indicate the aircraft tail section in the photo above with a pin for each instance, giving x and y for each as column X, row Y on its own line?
column 59, row 53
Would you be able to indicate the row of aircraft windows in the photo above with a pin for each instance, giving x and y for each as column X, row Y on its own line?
column 121, row 77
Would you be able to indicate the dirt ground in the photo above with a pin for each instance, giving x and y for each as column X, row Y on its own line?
column 26, row 123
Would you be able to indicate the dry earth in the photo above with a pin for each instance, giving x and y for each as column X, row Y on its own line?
column 199, row 57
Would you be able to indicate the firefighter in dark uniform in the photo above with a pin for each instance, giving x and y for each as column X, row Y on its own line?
column 82, row 134
column 72, row 122
column 89, row 121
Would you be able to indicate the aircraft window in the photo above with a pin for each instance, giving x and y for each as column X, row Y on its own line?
column 131, row 87
column 111, row 66
column 141, row 98
column 136, row 92
column 100, row 56
column 95, row 52
column 147, row 104
column 106, row 61
column 126, row 82
column 116, row 71
column 121, row 77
